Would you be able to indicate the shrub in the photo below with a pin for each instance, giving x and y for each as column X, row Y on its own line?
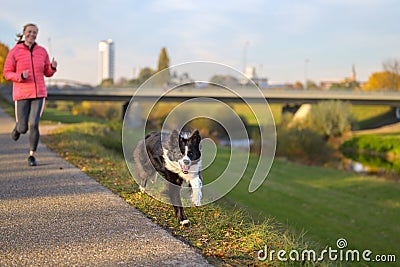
column 330, row 118
column 302, row 144
column 101, row 110
column 61, row 105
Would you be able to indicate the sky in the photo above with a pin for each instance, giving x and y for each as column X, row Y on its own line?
column 285, row 40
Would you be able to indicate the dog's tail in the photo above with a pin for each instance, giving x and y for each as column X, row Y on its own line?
column 143, row 167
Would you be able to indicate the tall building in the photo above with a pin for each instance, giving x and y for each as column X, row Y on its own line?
column 353, row 73
column 106, row 60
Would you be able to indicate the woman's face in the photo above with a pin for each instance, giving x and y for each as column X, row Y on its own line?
column 30, row 34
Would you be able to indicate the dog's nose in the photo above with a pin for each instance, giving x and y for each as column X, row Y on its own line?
column 186, row 161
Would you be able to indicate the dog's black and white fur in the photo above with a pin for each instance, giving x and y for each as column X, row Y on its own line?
column 177, row 157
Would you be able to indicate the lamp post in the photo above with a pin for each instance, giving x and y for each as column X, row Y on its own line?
column 306, row 73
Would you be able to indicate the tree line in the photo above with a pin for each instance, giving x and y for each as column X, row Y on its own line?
column 145, row 73
column 388, row 79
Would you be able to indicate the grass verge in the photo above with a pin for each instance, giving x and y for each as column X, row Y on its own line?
column 225, row 237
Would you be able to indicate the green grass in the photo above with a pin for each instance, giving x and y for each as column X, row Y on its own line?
column 6, row 106
column 366, row 116
column 371, row 116
column 327, row 204
column 381, row 151
column 54, row 115
column 387, row 143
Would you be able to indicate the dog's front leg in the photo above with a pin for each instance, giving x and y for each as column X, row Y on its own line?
column 175, row 197
column 196, row 185
column 180, row 214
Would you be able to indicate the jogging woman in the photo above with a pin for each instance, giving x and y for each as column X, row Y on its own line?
column 26, row 65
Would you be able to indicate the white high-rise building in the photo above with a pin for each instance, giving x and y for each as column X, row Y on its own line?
column 106, row 60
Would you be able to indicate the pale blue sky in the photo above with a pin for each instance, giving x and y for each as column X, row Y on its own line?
column 281, row 35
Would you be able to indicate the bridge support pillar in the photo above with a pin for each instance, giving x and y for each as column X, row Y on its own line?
column 290, row 108
column 133, row 116
column 124, row 108
column 397, row 113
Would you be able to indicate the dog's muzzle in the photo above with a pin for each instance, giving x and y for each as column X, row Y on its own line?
column 185, row 165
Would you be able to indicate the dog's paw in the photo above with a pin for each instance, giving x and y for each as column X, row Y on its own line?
column 196, row 198
column 184, row 223
column 196, row 202
column 142, row 189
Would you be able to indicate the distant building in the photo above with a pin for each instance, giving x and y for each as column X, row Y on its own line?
column 106, row 60
column 326, row 85
column 250, row 73
column 347, row 82
column 353, row 76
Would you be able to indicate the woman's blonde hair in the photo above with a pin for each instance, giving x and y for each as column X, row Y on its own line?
column 21, row 35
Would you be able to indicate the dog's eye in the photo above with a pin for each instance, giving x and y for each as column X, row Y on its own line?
column 190, row 153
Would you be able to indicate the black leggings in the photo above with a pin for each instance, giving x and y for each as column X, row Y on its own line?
column 29, row 111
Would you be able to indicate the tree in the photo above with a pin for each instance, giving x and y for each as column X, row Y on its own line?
column 122, row 81
column 311, row 85
column 162, row 78
column 383, row 80
column 3, row 54
column 393, row 67
column 298, row 85
column 388, row 79
column 347, row 83
column 163, row 60
column 163, row 64
column 107, row 83
column 145, row 74
column 226, row 80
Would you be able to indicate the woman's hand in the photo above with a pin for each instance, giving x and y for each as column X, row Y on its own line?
column 25, row 74
column 53, row 63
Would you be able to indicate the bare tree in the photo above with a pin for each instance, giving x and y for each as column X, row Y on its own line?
column 392, row 67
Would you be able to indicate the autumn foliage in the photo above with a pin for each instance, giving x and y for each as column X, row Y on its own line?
column 3, row 55
column 386, row 80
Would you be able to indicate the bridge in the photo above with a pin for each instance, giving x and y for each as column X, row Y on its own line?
column 65, row 83
column 292, row 99
column 295, row 97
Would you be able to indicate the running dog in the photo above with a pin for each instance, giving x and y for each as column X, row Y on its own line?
column 177, row 157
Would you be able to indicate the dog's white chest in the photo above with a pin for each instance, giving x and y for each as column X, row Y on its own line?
column 175, row 167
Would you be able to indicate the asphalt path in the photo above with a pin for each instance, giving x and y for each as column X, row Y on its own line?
column 55, row 215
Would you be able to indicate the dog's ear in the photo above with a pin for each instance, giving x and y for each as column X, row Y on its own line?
column 196, row 137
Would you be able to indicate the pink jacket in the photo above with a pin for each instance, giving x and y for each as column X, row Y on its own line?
column 36, row 60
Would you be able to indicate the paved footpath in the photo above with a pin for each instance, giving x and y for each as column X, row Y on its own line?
column 55, row 215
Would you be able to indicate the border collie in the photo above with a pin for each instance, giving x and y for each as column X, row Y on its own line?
column 177, row 157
